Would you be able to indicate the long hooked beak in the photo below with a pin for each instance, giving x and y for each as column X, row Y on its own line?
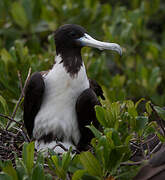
column 87, row 40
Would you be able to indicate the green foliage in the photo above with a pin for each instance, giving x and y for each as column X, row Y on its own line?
column 26, row 40
column 121, row 122
column 91, row 164
column 139, row 73
column 25, row 168
column 160, row 111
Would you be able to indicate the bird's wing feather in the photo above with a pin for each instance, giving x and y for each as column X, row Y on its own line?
column 32, row 100
column 85, row 115
column 96, row 88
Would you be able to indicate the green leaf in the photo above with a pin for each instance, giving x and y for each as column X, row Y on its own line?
column 155, row 77
column 19, row 14
column 116, row 138
column 66, row 159
column 162, row 138
column 21, row 168
column 91, row 164
column 58, row 170
column 100, row 114
column 28, row 156
column 138, row 102
column 4, row 176
column 27, row 5
column 141, row 122
column 160, row 111
column 4, row 104
column 1, row 164
column 148, row 107
column 78, row 174
column 48, row 177
column 38, row 173
column 5, row 55
column 131, row 108
column 52, row 42
column 103, row 151
column 37, row 9
column 10, row 171
column 95, row 131
column 89, row 177
column 40, row 158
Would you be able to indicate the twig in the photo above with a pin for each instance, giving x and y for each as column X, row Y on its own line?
column 148, row 140
column 20, row 98
column 149, row 151
column 131, row 163
column 135, row 145
column 142, row 149
column 3, row 147
column 10, row 119
column 9, row 133
column 156, row 147
column 159, row 120
column 134, row 153
column 22, row 133
column 20, row 80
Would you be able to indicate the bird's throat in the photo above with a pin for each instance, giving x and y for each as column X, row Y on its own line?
column 72, row 61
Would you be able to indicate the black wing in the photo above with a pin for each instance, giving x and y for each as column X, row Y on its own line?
column 96, row 88
column 32, row 100
column 85, row 115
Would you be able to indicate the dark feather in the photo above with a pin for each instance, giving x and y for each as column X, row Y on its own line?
column 32, row 101
column 96, row 88
column 85, row 115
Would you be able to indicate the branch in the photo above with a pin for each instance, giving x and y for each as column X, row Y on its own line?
column 131, row 163
column 157, row 147
column 159, row 120
column 22, row 133
column 9, row 133
column 20, row 80
column 20, row 98
column 10, row 119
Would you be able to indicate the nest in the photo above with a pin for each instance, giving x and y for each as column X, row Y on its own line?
column 10, row 144
column 12, row 140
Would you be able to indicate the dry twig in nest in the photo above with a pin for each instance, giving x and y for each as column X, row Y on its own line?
column 11, row 141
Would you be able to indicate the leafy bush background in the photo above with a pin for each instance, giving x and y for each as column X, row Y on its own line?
column 26, row 40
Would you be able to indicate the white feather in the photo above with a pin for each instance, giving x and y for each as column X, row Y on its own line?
column 58, row 105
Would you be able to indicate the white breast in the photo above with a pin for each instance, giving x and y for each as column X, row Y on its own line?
column 58, row 106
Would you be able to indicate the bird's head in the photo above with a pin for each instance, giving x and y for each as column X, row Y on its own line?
column 72, row 36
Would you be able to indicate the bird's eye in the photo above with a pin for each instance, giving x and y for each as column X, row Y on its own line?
column 73, row 34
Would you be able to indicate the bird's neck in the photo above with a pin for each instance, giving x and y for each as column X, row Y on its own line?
column 72, row 61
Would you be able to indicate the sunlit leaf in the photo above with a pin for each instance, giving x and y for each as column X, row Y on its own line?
column 4, row 104
column 78, row 174
column 28, row 156
column 95, row 131
column 66, row 159
column 91, row 164
column 100, row 113
column 19, row 15
column 9, row 169
column 59, row 171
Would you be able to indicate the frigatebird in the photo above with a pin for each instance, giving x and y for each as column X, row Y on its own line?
column 59, row 103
